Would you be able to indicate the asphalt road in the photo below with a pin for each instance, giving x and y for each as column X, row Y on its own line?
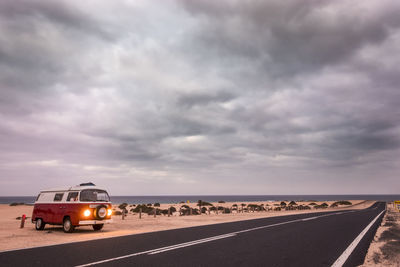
column 314, row 239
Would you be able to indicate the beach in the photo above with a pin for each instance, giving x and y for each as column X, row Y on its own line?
column 13, row 237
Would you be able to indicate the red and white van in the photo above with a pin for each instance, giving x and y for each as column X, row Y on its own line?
column 80, row 205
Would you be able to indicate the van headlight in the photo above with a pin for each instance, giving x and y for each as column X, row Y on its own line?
column 109, row 212
column 86, row 213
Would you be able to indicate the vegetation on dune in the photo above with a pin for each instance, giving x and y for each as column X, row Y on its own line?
column 312, row 204
column 123, row 207
column 283, row 204
column 255, row 207
column 226, row 210
column 172, row 209
column 156, row 204
column 186, row 210
column 342, row 202
column 145, row 208
column 157, row 211
column 292, row 203
column 221, row 201
column 203, row 203
column 322, row 206
column 17, row 204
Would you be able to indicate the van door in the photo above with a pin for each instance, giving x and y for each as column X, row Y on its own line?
column 72, row 206
column 59, row 208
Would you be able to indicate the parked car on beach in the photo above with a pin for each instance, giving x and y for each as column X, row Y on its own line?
column 85, row 204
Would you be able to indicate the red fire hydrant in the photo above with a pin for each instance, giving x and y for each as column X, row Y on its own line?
column 23, row 221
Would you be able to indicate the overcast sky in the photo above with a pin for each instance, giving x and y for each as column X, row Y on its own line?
column 200, row 97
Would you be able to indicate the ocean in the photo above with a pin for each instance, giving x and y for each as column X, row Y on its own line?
column 215, row 198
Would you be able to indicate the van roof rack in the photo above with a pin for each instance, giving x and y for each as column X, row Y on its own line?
column 87, row 184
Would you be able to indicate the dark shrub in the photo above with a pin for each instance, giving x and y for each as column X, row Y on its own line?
column 227, row 210
column 123, row 206
column 312, row 204
column 254, row 207
column 342, row 202
column 156, row 204
column 145, row 208
column 292, row 203
column 185, row 207
column 185, row 211
column 277, row 209
column 17, row 204
column 151, row 212
column 234, row 205
column 221, row 201
column 203, row 210
column 149, row 204
column 213, row 208
column 173, row 209
column 322, row 206
column 283, row 203
column 117, row 212
column 164, row 212
column 220, row 208
column 203, row 203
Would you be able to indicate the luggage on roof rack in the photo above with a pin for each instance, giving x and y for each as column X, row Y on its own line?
column 87, row 184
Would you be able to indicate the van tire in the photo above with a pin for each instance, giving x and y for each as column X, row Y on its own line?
column 67, row 225
column 39, row 224
column 97, row 227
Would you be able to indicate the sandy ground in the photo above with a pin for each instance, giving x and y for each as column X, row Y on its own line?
column 385, row 248
column 13, row 237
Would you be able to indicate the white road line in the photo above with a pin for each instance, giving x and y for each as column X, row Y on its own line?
column 190, row 244
column 154, row 251
column 345, row 255
column 199, row 241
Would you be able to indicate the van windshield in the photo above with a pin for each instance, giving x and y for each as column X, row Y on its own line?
column 94, row 195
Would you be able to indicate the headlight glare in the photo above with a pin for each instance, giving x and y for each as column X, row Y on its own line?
column 86, row 213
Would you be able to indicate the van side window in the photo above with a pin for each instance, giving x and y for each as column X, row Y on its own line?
column 58, row 196
column 72, row 196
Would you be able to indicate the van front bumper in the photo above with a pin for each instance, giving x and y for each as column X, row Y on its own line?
column 91, row 222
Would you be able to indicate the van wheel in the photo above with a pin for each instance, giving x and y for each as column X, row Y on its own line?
column 98, row 227
column 39, row 224
column 67, row 225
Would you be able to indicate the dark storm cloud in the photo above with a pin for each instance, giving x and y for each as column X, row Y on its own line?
column 68, row 17
column 194, row 99
column 200, row 96
column 291, row 37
